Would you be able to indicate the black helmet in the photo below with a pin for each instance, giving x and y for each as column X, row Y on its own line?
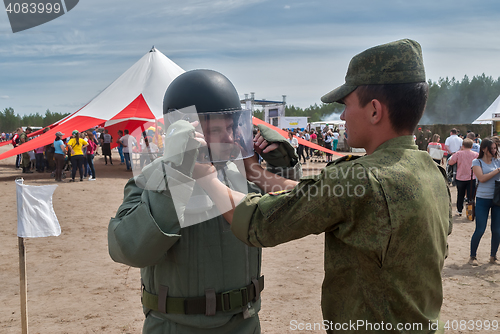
column 207, row 90
column 208, row 96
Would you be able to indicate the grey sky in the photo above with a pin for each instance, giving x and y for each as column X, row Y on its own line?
column 297, row 48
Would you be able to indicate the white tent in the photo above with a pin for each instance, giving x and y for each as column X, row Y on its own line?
column 133, row 99
column 491, row 114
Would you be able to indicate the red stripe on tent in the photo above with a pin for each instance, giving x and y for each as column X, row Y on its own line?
column 134, row 127
column 304, row 142
column 80, row 123
column 137, row 108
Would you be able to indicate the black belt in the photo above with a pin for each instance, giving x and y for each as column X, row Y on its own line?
column 225, row 301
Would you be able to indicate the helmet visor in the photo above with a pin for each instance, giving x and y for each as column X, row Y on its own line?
column 229, row 134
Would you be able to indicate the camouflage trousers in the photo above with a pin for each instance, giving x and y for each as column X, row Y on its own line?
column 26, row 162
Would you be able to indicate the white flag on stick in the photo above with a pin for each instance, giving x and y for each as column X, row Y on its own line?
column 35, row 214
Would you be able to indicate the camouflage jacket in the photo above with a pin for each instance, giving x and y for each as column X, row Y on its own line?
column 23, row 138
column 386, row 218
column 146, row 233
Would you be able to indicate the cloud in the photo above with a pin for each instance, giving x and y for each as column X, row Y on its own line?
column 287, row 7
column 4, row 97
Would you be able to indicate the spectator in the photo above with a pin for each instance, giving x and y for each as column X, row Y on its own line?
column 475, row 146
column 293, row 140
column 91, row 149
column 86, row 169
column 32, row 159
column 328, row 137
column 15, row 143
column 149, row 151
column 465, row 183
column 435, row 144
column 26, row 159
column 59, row 155
column 40, row 164
column 106, row 140
column 453, row 144
column 428, row 136
column 120, row 147
column 158, row 140
column 76, row 145
column 478, row 139
column 301, row 148
column 335, row 139
column 421, row 140
column 346, row 145
column 308, row 149
column 128, row 141
column 487, row 169
column 314, row 140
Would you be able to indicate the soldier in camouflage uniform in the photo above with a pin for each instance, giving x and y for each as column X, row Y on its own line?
column 26, row 162
column 386, row 216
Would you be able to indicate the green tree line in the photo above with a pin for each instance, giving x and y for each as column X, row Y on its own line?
column 9, row 121
column 450, row 102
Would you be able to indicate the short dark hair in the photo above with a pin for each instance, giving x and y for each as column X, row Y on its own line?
column 405, row 102
column 454, row 131
column 126, row 131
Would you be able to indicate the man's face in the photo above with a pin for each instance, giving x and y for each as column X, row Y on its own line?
column 219, row 136
column 356, row 120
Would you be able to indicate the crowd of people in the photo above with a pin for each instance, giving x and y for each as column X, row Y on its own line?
column 327, row 137
column 76, row 152
column 473, row 166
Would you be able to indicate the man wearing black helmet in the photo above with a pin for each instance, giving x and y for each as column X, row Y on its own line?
column 196, row 275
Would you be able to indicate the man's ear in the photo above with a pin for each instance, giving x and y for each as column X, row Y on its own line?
column 377, row 111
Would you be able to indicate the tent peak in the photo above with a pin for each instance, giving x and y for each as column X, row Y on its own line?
column 153, row 49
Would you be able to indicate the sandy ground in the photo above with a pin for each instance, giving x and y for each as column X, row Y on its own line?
column 74, row 286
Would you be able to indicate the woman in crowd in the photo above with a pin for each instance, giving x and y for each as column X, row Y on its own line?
column 76, row 145
column 59, row 155
column 465, row 183
column 436, row 145
column 91, row 149
column 487, row 169
column 335, row 136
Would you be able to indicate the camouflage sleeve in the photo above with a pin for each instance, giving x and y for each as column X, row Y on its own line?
column 275, row 218
column 144, row 228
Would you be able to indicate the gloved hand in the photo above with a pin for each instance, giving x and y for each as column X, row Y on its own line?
column 182, row 143
column 284, row 155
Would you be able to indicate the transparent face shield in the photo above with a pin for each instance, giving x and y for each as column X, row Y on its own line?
column 229, row 134
column 229, row 138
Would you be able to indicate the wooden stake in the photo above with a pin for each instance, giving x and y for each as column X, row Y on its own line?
column 23, row 286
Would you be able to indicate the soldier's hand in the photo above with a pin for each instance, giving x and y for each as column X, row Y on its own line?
column 262, row 146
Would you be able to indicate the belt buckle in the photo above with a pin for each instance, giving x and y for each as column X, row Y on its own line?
column 235, row 299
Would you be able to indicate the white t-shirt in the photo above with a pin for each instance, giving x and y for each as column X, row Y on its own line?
column 336, row 135
column 128, row 141
column 454, row 143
